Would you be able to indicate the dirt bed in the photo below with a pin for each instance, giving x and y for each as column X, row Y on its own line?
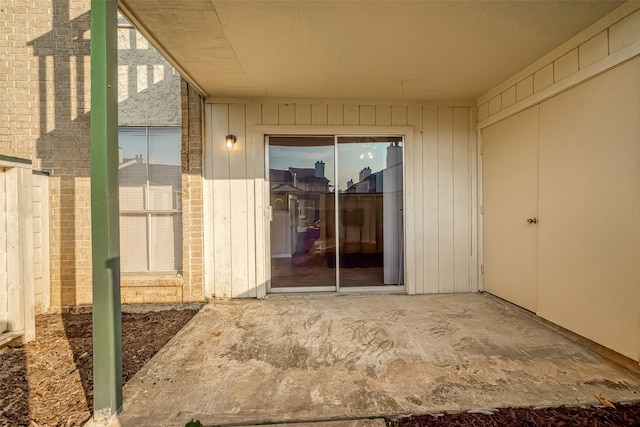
column 621, row 415
column 49, row 382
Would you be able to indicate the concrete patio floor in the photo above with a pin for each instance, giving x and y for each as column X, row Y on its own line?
column 310, row 358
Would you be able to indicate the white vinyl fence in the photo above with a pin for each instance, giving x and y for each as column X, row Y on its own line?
column 24, row 248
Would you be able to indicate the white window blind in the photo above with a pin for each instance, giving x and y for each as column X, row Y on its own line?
column 150, row 199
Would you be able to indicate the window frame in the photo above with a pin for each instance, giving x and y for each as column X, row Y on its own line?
column 147, row 211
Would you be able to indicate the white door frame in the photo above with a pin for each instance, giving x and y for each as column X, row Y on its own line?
column 406, row 132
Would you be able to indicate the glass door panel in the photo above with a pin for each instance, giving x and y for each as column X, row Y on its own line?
column 301, row 182
column 370, row 202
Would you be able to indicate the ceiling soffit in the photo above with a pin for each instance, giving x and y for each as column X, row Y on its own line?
column 400, row 50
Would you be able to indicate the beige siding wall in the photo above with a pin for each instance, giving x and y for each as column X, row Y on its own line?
column 589, row 186
column 439, row 189
column 610, row 41
column 4, row 290
column 589, row 269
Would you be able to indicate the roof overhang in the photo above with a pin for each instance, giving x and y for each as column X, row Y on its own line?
column 395, row 50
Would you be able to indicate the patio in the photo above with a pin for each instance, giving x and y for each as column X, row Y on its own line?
column 348, row 357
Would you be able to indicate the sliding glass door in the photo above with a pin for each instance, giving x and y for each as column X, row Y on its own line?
column 327, row 186
column 370, row 211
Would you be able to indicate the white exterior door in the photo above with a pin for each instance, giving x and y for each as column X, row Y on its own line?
column 510, row 188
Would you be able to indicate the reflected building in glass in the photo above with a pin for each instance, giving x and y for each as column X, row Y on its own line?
column 305, row 206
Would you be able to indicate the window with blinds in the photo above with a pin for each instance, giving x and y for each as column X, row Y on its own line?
column 150, row 199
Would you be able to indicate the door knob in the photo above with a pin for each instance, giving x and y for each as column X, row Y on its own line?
column 532, row 220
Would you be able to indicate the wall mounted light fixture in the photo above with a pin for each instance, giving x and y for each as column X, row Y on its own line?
column 231, row 141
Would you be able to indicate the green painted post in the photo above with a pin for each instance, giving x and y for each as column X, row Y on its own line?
column 105, row 228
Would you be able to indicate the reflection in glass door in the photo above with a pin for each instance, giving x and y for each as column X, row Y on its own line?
column 301, row 180
column 370, row 211
column 323, row 186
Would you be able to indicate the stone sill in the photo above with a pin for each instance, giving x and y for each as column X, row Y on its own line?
column 160, row 279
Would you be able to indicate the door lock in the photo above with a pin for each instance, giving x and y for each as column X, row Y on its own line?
column 532, row 220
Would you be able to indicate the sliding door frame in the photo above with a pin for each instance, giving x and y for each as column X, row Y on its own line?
column 267, row 228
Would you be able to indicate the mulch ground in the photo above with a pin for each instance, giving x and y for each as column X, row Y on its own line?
column 49, row 382
column 594, row 416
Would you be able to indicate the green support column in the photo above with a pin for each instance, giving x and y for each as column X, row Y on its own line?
column 105, row 228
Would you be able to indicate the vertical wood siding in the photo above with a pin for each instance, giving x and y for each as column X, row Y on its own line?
column 4, row 288
column 439, row 192
column 17, row 292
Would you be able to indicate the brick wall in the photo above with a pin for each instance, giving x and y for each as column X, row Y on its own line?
column 44, row 116
column 192, row 143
